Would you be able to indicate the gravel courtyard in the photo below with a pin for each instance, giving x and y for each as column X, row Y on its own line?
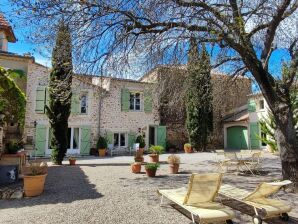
column 105, row 191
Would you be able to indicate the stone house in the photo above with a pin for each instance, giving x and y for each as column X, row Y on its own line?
column 119, row 109
column 228, row 94
column 242, row 128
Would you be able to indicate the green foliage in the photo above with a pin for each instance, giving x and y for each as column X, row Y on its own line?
column 157, row 149
column 12, row 98
column 102, row 143
column 140, row 139
column 12, row 147
column 60, row 94
column 199, row 110
column 268, row 127
column 152, row 166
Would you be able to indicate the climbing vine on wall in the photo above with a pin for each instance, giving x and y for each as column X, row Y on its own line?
column 12, row 98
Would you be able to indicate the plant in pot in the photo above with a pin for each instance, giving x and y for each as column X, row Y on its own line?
column 34, row 178
column 139, row 157
column 151, row 169
column 187, row 148
column 72, row 161
column 102, row 146
column 155, row 151
column 136, row 167
column 174, row 162
column 140, row 139
column 12, row 147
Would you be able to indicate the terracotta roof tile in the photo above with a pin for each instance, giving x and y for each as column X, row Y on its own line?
column 4, row 25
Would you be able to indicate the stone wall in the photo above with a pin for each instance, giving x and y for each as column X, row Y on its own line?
column 228, row 94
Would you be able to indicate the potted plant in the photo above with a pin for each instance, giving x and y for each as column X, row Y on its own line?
column 136, row 167
column 72, row 161
column 187, row 148
column 174, row 162
column 141, row 141
column 139, row 157
column 102, row 146
column 151, row 169
column 155, row 150
column 12, row 147
column 34, row 178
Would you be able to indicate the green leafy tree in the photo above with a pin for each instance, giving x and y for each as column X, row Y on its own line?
column 199, row 97
column 60, row 94
column 12, row 98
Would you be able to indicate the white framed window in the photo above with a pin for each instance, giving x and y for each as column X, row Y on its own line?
column 83, row 104
column 262, row 104
column 120, row 140
column 135, row 101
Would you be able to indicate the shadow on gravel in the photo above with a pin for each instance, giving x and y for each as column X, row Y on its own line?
column 64, row 184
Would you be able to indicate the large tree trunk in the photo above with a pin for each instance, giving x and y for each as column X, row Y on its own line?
column 285, row 136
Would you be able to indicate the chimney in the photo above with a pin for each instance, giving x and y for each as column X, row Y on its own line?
column 6, row 34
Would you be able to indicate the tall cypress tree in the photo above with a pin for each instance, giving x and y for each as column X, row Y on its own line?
column 58, row 110
column 199, row 121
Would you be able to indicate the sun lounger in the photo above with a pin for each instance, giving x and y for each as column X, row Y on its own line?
column 198, row 198
column 258, row 199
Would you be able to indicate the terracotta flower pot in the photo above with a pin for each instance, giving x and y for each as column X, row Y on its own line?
column 150, row 172
column 34, row 185
column 174, row 168
column 136, row 167
column 102, row 152
column 187, row 149
column 139, row 159
column 72, row 162
column 154, row 158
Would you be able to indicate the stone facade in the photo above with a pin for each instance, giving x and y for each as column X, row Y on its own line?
column 114, row 120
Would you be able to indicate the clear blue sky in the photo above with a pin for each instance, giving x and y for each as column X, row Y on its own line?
column 23, row 46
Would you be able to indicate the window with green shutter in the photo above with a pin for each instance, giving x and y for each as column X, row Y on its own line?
column 40, row 139
column 148, row 101
column 251, row 105
column 40, row 99
column 75, row 103
column 131, row 139
column 125, row 100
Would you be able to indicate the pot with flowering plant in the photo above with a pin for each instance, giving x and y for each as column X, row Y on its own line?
column 155, row 150
column 187, row 148
column 72, row 161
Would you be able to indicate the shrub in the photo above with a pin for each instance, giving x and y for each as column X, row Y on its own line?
column 152, row 166
column 173, row 159
column 12, row 147
column 102, row 143
column 157, row 149
column 140, row 139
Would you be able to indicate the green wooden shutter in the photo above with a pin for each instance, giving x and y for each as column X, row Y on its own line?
column 85, row 141
column 125, row 100
column 251, row 105
column 110, row 137
column 148, row 101
column 131, row 139
column 40, row 139
column 162, row 136
column 254, row 133
column 40, row 99
column 75, row 103
column 47, row 97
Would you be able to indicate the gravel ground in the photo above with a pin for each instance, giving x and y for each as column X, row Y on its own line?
column 105, row 191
